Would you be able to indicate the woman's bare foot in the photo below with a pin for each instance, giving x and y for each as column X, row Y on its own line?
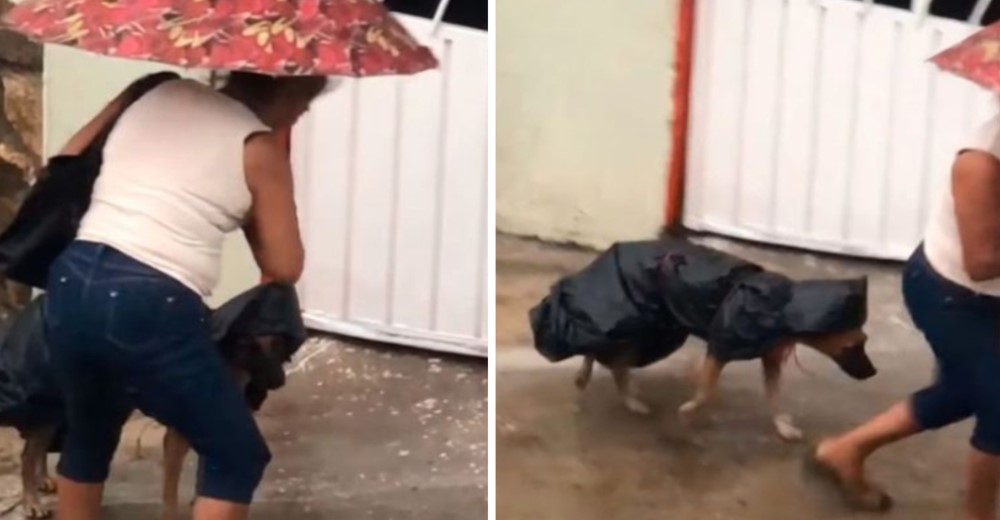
column 844, row 465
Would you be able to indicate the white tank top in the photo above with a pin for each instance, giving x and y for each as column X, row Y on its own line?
column 942, row 244
column 172, row 184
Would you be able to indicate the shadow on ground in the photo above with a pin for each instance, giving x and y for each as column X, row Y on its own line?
column 598, row 461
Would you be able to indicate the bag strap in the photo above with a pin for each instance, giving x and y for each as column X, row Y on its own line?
column 136, row 90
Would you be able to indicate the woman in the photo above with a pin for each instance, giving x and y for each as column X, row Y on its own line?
column 184, row 165
column 951, row 285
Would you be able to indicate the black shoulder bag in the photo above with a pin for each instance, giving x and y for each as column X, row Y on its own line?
column 50, row 216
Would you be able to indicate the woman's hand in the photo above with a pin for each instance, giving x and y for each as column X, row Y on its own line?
column 272, row 227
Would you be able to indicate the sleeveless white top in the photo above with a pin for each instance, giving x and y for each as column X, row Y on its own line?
column 942, row 244
column 172, row 184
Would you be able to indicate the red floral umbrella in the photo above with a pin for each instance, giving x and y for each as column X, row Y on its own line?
column 977, row 58
column 280, row 37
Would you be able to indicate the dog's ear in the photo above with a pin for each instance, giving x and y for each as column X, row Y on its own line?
column 751, row 318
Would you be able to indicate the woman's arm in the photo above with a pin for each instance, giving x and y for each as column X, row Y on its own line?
column 975, row 186
column 272, row 227
column 83, row 137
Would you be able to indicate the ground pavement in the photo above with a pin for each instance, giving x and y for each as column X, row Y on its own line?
column 360, row 432
column 604, row 463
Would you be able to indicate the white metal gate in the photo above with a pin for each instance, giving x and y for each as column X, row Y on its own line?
column 392, row 193
column 820, row 124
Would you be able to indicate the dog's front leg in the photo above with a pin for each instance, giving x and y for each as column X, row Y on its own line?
column 621, row 370
column 585, row 373
column 175, row 449
column 582, row 379
column 34, row 471
column 783, row 422
column 708, row 381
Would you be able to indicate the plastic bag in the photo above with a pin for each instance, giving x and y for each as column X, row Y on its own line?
column 268, row 311
column 29, row 394
column 652, row 294
column 613, row 300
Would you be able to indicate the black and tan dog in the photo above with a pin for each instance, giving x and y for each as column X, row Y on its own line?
column 638, row 302
column 257, row 332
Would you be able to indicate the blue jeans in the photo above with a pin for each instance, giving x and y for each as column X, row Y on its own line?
column 125, row 336
column 963, row 329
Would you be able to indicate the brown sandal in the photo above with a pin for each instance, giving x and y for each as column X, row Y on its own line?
column 857, row 495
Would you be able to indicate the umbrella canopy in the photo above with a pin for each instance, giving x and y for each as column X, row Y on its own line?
column 977, row 58
column 279, row 37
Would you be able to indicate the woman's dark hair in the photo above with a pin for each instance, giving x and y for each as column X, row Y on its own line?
column 264, row 89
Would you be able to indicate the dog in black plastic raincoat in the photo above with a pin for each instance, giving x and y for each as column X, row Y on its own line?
column 638, row 302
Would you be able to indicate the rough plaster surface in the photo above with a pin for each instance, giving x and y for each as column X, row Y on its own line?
column 583, row 115
column 20, row 136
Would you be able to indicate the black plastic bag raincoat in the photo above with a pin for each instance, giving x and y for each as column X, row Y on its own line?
column 653, row 294
column 29, row 394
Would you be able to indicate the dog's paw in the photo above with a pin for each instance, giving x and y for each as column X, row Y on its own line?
column 48, row 486
column 634, row 405
column 687, row 412
column 36, row 511
column 786, row 429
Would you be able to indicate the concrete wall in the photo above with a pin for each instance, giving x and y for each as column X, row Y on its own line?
column 77, row 85
column 583, row 115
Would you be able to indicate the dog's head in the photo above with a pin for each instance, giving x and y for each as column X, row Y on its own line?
column 847, row 350
column 258, row 332
column 261, row 358
column 828, row 315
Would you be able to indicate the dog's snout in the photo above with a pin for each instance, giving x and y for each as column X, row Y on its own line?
column 854, row 361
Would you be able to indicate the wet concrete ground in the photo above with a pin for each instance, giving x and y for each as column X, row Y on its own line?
column 360, row 432
column 602, row 462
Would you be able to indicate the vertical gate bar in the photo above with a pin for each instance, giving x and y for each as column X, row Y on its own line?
column 397, row 166
column 925, row 172
column 979, row 11
column 779, row 119
column 852, row 132
column 352, row 171
column 741, row 115
column 883, row 213
column 920, row 9
column 483, row 258
column 439, row 181
column 815, row 121
column 439, row 16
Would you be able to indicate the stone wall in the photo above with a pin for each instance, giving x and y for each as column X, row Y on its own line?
column 20, row 135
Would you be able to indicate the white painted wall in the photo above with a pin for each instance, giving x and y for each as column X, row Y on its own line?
column 820, row 124
column 583, row 117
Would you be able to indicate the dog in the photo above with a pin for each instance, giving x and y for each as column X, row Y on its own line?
column 638, row 303
column 257, row 333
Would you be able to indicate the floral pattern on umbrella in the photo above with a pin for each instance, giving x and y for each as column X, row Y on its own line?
column 280, row 37
column 977, row 58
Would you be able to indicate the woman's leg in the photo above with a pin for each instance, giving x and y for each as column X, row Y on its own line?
column 982, row 483
column 181, row 380
column 96, row 404
column 955, row 323
column 96, row 413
